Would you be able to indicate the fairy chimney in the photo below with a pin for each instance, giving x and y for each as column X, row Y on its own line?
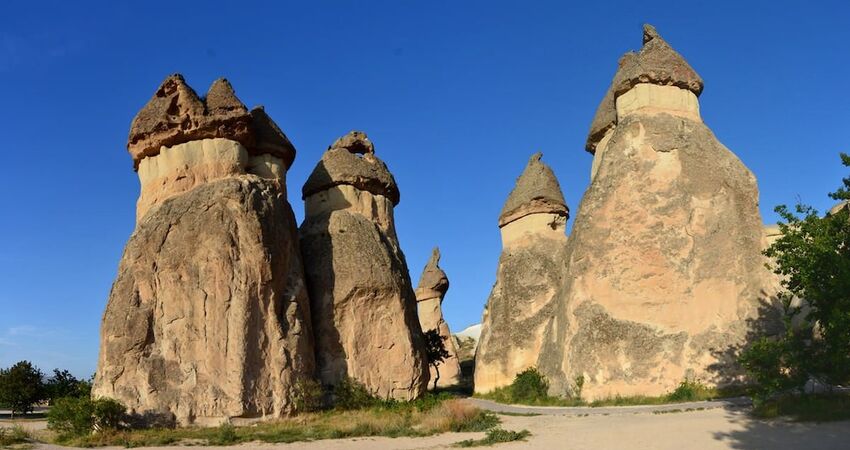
column 362, row 300
column 433, row 285
column 208, row 319
column 521, row 305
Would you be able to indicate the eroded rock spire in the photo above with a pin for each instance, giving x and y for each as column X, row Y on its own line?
column 433, row 285
column 522, row 304
column 363, row 303
column 208, row 318
column 663, row 269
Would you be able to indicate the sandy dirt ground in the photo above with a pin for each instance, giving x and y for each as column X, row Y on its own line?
column 717, row 428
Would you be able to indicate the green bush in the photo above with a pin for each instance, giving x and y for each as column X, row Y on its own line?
column 529, row 385
column 775, row 365
column 308, row 395
column 688, row 391
column 72, row 416
column 351, row 394
column 579, row 381
column 224, row 435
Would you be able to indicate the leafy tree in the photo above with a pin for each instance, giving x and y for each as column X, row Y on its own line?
column 62, row 384
column 21, row 387
column 813, row 258
column 435, row 349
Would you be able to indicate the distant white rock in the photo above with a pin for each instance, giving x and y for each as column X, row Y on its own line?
column 473, row 331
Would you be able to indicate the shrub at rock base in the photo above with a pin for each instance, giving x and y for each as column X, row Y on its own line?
column 529, row 385
column 308, row 395
column 350, row 394
column 79, row 416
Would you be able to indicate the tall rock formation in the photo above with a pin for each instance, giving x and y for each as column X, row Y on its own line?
column 522, row 304
column 433, row 285
column 208, row 318
column 363, row 304
column 664, row 271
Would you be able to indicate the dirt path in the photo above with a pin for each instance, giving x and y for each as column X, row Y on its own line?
column 582, row 411
column 726, row 427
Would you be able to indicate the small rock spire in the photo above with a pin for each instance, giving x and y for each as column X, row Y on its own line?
column 222, row 100
column 433, row 277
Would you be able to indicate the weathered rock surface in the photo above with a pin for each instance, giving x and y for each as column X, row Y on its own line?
column 176, row 115
column 522, row 303
column 208, row 318
column 664, row 272
column 433, row 285
column 363, row 303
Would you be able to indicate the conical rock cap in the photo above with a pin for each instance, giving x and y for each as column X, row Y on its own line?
column 536, row 191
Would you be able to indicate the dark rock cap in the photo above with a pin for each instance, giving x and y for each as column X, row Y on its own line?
column 175, row 115
column 655, row 63
column 433, row 277
column 269, row 138
column 536, row 191
column 341, row 165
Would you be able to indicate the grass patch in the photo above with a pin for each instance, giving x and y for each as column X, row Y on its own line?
column 495, row 436
column 687, row 391
column 806, row 408
column 392, row 419
column 13, row 436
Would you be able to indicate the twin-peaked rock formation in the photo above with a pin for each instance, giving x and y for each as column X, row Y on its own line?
column 664, row 266
column 433, row 285
column 522, row 304
column 363, row 304
column 662, row 275
column 209, row 316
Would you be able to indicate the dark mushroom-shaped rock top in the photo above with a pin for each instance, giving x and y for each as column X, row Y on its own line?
column 537, row 191
column 655, row 63
column 351, row 160
column 175, row 115
column 269, row 138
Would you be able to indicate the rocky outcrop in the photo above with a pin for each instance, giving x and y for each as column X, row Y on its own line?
column 433, row 285
column 664, row 272
column 522, row 304
column 208, row 319
column 363, row 303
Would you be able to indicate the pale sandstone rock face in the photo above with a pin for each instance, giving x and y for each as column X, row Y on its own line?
column 522, row 303
column 208, row 319
column 433, row 285
column 363, row 303
column 664, row 272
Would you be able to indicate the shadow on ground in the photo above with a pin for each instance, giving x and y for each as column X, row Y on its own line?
column 751, row 434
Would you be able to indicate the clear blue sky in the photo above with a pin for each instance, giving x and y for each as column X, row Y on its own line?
column 455, row 94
